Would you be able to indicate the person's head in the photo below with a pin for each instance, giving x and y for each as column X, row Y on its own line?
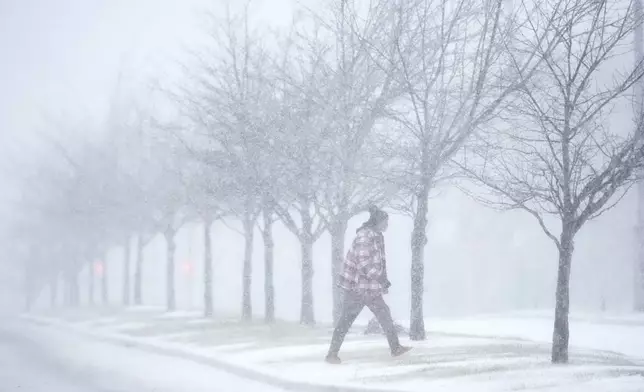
column 378, row 219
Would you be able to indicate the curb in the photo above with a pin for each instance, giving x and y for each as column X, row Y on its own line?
column 228, row 367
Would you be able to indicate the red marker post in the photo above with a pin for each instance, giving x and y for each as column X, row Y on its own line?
column 187, row 268
column 99, row 268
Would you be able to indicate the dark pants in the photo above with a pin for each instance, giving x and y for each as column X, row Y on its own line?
column 352, row 305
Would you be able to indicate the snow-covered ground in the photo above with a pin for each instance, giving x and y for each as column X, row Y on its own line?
column 618, row 333
column 44, row 359
column 487, row 353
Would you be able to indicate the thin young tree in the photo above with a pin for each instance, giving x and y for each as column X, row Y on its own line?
column 556, row 152
column 300, row 145
column 457, row 62
column 169, row 204
column 70, row 205
column 301, row 186
column 357, row 95
column 228, row 102
column 209, row 201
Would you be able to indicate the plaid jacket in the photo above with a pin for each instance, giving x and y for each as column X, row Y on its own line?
column 364, row 270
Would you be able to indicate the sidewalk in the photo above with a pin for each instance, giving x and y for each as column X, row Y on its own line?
column 291, row 356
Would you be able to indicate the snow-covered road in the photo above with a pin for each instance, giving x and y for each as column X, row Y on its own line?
column 36, row 359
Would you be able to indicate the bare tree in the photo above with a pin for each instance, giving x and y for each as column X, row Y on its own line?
column 139, row 161
column 111, row 193
column 141, row 240
column 296, row 143
column 73, row 200
column 169, row 203
column 141, row 203
column 149, row 213
column 555, row 153
column 228, row 102
column 457, row 62
column 268, row 219
column 209, row 211
column 357, row 93
column 209, row 200
column 329, row 99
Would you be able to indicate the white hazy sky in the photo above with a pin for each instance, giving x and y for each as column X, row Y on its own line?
column 62, row 58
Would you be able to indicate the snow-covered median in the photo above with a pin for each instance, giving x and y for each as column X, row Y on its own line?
column 510, row 354
column 624, row 335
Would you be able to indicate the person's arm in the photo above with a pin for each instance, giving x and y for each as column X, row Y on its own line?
column 369, row 262
column 384, row 279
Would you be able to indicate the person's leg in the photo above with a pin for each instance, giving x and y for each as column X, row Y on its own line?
column 351, row 308
column 382, row 312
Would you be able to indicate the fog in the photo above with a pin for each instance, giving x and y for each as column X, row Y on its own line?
column 70, row 66
column 65, row 60
column 479, row 261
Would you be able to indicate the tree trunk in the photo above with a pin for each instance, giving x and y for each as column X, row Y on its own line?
column 53, row 291
column 127, row 260
column 208, row 310
column 247, row 278
column 104, row 284
column 418, row 242
column 269, row 288
column 638, row 267
column 338, row 231
column 90, row 283
column 561, row 332
column 28, row 299
column 138, row 272
column 66, row 296
column 74, row 287
column 307, row 315
column 28, row 284
column 67, row 287
column 171, row 301
column 639, row 285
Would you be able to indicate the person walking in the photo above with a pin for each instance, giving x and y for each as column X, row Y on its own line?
column 363, row 281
